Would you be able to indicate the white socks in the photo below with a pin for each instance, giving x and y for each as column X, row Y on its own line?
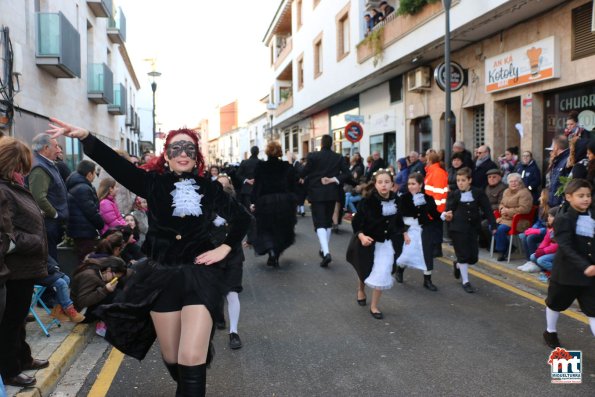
column 328, row 235
column 323, row 238
column 592, row 324
column 464, row 268
column 427, row 272
column 552, row 320
column 233, row 309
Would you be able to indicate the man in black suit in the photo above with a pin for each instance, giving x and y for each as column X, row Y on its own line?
column 245, row 175
column 483, row 164
column 325, row 171
column 377, row 163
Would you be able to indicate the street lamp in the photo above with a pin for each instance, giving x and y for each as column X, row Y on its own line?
column 154, row 74
column 447, row 113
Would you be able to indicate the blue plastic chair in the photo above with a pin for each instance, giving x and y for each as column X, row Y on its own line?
column 38, row 290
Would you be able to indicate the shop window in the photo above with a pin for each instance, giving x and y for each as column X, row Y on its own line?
column 343, row 32
column 318, row 56
column 583, row 39
column 479, row 136
column 395, row 86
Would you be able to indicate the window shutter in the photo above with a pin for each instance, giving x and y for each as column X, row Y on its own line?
column 583, row 39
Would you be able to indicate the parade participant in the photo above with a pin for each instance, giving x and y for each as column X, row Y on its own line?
column 232, row 271
column 176, row 295
column 574, row 263
column 246, row 176
column 463, row 212
column 419, row 211
column 274, row 204
column 325, row 170
column 378, row 239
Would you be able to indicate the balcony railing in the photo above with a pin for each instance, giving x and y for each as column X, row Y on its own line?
column 100, row 83
column 58, row 46
column 101, row 8
column 118, row 107
column 116, row 29
column 288, row 104
column 285, row 51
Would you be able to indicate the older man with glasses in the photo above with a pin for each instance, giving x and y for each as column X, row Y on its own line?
column 483, row 163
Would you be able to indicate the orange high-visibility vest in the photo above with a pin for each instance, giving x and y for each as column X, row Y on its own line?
column 436, row 185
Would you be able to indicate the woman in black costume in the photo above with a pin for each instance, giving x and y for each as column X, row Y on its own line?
column 175, row 296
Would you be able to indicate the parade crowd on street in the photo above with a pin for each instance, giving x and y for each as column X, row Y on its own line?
column 160, row 241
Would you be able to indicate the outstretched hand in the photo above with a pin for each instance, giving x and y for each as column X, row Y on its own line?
column 213, row 256
column 58, row 128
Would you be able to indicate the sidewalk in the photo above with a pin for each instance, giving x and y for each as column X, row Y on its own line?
column 61, row 348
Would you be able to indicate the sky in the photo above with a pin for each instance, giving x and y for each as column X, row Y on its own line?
column 209, row 53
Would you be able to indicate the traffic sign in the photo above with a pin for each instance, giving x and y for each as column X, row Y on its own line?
column 354, row 117
column 354, row 132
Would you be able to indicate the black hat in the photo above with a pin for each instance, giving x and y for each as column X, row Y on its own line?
column 494, row 171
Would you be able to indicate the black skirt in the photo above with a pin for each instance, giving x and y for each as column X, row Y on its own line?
column 275, row 223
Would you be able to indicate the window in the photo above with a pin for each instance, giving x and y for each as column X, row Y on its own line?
column 395, row 86
column 318, row 56
column 298, row 13
column 286, row 139
column 300, row 72
column 479, row 137
column 294, row 140
column 583, row 39
column 343, row 43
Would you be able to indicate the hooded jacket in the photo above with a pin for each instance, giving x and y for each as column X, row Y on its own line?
column 84, row 220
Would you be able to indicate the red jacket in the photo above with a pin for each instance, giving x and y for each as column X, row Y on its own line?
column 436, row 185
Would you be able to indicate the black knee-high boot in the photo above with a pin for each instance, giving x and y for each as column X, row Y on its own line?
column 173, row 372
column 193, row 380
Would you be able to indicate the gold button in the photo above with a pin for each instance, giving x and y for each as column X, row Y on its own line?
column 179, row 237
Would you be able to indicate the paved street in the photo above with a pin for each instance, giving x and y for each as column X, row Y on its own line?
column 304, row 335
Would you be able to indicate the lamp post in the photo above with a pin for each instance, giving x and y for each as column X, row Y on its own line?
column 447, row 112
column 154, row 74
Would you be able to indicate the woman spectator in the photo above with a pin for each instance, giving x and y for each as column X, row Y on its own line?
column 457, row 161
column 26, row 259
column 110, row 213
column 273, row 204
column 357, row 168
column 214, row 172
column 508, row 161
column 530, row 174
column 140, row 214
column 402, row 175
column 578, row 138
column 585, row 169
column 516, row 200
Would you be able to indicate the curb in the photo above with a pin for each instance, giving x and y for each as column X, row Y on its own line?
column 501, row 271
column 60, row 361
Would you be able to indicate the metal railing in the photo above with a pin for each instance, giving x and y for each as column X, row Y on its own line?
column 118, row 22
column 57, row 38
column 100, row 80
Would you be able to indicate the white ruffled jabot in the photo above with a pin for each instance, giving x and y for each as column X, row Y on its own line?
column 186, row 198
column 388, row 207
column 419, row 199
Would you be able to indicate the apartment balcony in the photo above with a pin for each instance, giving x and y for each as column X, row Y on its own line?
column 283, row 52
column 116, row 29
column 58, row 45
column 101, row 8
column 100, row 83
column 284, row 106
column 118, row 107
column 129, row 117
column 394, row 27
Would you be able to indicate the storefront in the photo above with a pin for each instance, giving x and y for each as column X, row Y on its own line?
column 338, row 121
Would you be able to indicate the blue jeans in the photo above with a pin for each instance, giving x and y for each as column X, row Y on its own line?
column 62, row 291
column 501, row 239
column 545, row 262
column 350, row 200
column 531, row 242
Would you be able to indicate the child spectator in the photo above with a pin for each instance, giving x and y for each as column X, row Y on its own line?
column 574, row 264
column 57, row 281
column 107, row 205
column 543, row 257
column 533, row 236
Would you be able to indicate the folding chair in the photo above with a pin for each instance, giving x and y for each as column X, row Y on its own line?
column 38, row 290
column 513, row 229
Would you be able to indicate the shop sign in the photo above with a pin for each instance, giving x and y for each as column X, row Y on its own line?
column 354, row 117
column 354, row 132
column 535, row 62
column 457, row 76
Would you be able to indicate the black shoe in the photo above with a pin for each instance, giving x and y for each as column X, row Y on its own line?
column 428, row 283
column 321, row 254
column 37, row 364
column 457, row 271
column 193, row 379
column 234, row 341
column 273, row 260
column 502, row 257
column 361, row 302
column 326, row 260
column 21, row 380
column 468, row 288
column 377, row 315
column 303, row 214
column 551, row 339
column 399, row 274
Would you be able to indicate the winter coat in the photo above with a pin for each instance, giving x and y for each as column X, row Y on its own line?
column 417, row 166
column 325, row 163
column 436, row 185
column 575, row 253
column 5, row 229
column 87, row 287
column 495, row 194
column 518, row 202
column 557, row 169
column 246, row 171
column 110, row 214
column 467, row 215
column 84, row 219
column 28, row 259
column 479, row 177
column 548, row 245
column 531, row 177
column 54, row 273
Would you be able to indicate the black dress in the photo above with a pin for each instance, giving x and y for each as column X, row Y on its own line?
column 273, row 196
column 172, row 243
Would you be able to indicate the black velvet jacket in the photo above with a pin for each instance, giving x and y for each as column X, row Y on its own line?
column 173, row 240
column 423, row 213
column 370, row 221
column 467, row 216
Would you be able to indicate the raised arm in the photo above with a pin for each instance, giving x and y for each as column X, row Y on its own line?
column 123, row 171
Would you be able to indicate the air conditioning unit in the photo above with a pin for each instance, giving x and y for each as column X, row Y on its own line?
column 419, row 79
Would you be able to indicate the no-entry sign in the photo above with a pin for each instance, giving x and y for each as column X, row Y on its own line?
column 354, row 132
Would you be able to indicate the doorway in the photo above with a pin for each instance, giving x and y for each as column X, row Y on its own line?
column 422, row 130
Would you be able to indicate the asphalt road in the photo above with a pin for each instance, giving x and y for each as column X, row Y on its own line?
column 304, row 335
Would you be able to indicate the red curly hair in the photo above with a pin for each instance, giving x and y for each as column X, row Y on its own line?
column 157, row 164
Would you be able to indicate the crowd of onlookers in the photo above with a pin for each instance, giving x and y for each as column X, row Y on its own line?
column 376, row 16
column 45, row 206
